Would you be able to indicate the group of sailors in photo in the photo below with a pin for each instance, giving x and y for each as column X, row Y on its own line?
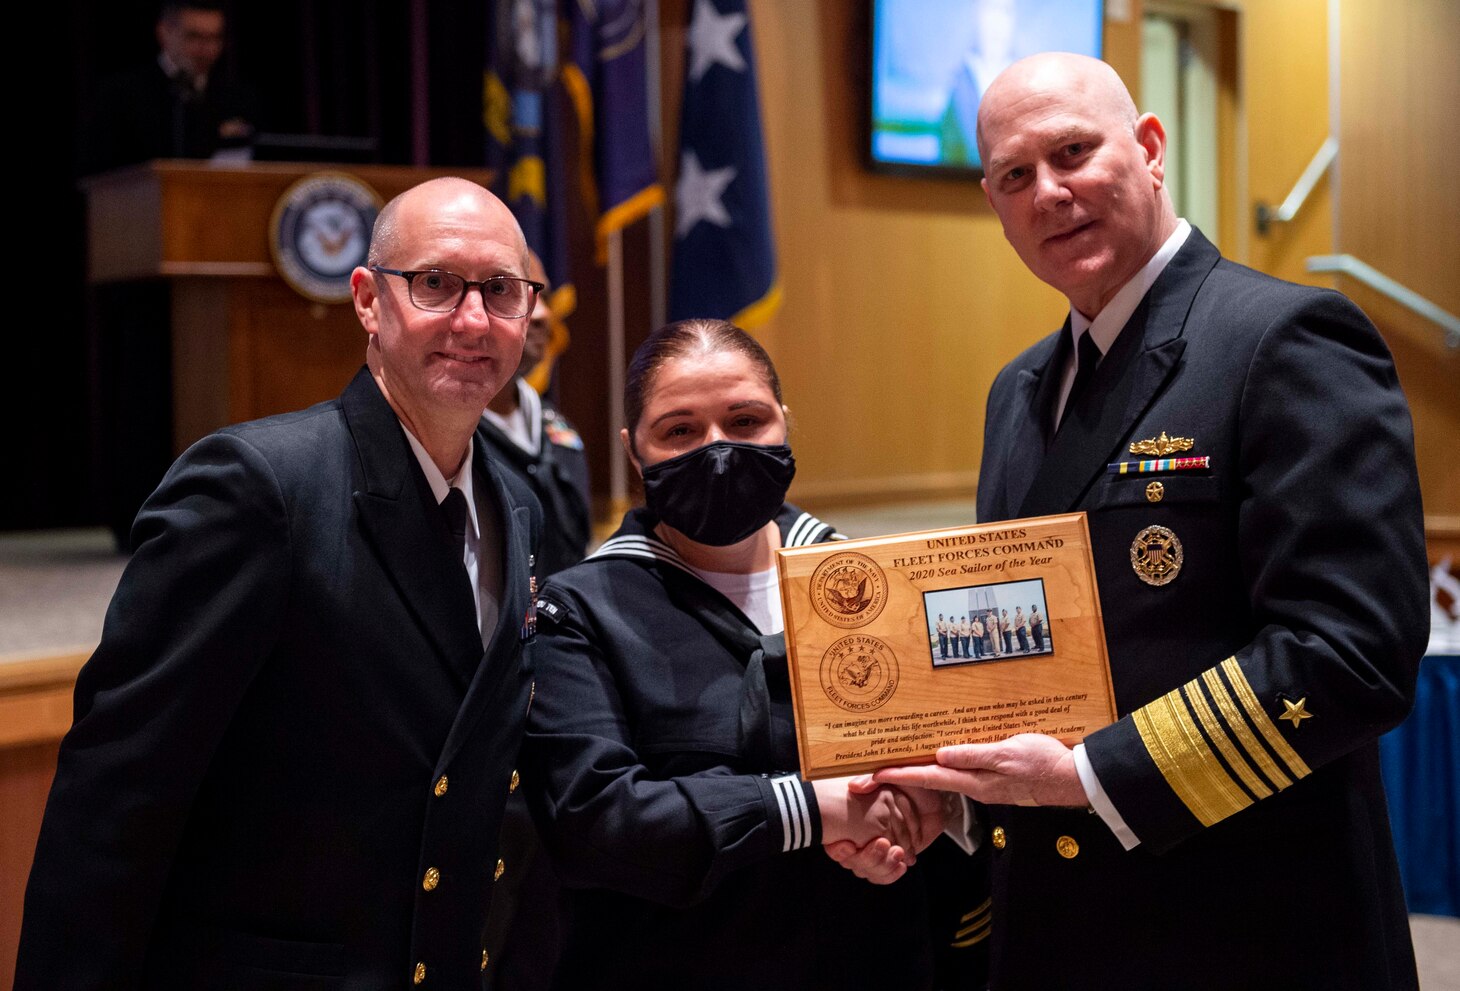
column 991, row 634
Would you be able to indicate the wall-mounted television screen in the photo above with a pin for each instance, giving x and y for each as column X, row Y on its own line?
column 932, row 60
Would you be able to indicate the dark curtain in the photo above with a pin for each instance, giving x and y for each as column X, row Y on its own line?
column 97, row 440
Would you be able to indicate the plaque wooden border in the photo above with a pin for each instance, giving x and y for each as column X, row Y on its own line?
column 868, row 681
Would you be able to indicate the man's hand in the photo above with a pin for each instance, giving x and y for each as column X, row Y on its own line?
column 1028, row 769
column 878, row 831
column 879, row 861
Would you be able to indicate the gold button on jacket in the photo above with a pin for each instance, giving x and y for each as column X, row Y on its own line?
column 1067, row 847
column 432, row 878
column 420, row 975
column 497, row 874
column 484, row 960
column 999, row 839
column 440, row 788
column 512, row 785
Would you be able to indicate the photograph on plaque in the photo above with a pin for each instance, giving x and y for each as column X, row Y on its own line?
column 980, row 623
column 902, row 644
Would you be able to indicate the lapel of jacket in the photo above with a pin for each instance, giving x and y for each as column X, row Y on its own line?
column 403, row 523
column 1027, row 431
column 1143, row 357
column 502, row 655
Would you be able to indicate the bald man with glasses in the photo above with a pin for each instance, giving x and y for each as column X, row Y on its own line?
column 292, row 749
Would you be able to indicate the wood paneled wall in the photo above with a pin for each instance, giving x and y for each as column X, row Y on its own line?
column 1399, row 207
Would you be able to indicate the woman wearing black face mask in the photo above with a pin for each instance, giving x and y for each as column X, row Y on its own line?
column 660, row 759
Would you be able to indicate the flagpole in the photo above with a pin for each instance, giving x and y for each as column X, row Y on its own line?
column 658, row 263
column 618, row 481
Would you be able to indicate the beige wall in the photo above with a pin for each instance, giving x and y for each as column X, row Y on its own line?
column 902, row 299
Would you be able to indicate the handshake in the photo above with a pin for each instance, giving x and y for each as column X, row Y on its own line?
column 876, row 825
column 877, row 830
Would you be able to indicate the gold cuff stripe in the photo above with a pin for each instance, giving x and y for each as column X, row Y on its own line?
column 1245, row 736
column 984, row 907
column 1186, row 762
column 970, row 930
column 966, row 943
column 1260, row 719
column 1218, row 735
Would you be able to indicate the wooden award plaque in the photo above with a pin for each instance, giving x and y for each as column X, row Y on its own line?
column 874, row 682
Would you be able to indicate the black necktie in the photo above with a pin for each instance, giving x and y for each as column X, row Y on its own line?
column 1087, row 357
column 453, row 507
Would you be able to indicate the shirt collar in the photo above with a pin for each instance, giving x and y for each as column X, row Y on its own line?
column 439, row 483
column 1106, row 326
column 529, row 406
column 172, row 70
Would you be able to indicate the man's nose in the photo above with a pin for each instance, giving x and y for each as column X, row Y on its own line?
column 471, row 314
column 1050, row 190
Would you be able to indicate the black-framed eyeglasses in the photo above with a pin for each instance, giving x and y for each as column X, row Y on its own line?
column 441, row 292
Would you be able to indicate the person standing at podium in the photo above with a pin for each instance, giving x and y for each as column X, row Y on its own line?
column 292, row 749
column 180, row 105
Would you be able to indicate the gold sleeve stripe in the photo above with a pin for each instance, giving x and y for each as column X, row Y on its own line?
column 973, row 934
column 1198, row 703
column 1186, row 762
column 1249, row 742
column 984, row 907
column 970, row 930
column 1260, row 719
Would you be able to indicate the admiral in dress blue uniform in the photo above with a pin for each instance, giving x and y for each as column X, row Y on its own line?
column 292, row 748
column 1264, row 603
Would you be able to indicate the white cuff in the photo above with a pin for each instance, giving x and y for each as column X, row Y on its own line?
column 964, row 831
column 1100, row 802
column 795, row 815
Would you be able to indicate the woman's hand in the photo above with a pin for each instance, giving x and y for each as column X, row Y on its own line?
column 877, row 832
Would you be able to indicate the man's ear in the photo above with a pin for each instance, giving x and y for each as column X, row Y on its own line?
column 365, row 294
column 1151, row 136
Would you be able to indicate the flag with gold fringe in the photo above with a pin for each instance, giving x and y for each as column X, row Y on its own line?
column 606, row 80
column 724, row 261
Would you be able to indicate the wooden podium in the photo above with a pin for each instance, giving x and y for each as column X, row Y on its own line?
column 244, row 344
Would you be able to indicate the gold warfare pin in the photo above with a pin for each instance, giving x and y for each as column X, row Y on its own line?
column 1159, row 447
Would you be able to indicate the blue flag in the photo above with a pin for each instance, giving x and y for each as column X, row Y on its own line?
column 724, row 253
column 605, row 77
column 524, row 131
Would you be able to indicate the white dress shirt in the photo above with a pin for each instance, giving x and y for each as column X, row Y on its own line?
column 482, row 550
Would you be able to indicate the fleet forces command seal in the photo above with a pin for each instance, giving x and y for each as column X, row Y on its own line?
column 848, row 590
column 1156, row 555
column 859, row 673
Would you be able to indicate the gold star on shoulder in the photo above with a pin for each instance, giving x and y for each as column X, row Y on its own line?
column 1296, row 711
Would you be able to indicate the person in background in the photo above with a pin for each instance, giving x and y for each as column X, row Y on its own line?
column 534, row 441
column 180, row 105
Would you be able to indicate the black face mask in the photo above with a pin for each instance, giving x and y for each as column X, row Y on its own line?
column 721, row 493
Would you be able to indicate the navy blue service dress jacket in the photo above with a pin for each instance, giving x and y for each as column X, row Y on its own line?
column 290, row 752
column 660, row 765
column 1265, row 857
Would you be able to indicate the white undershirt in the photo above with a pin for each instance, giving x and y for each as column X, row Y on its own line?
column 757, row 594
column 481, row 552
